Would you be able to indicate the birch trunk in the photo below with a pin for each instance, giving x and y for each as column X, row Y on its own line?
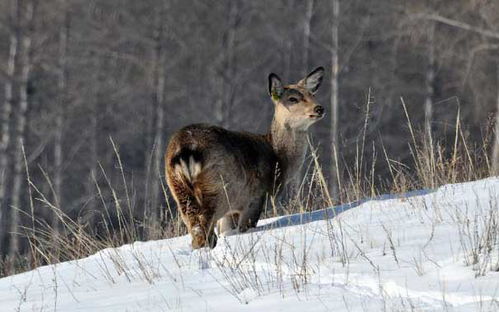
column 231, row 62
column 93, row 144
column 429, row 83
column 60, row 116
column 334, row 173
column 159, row 90
column 6, row 119
column 306, row 36
column 428, row 104
column 20, row 127
column 227, row 73
column 495, row 150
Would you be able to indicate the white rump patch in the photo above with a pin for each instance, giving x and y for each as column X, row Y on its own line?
column 189, row 170
column 194, row 167
column 185, row 170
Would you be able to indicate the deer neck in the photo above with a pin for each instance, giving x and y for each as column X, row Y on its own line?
column 290, row 146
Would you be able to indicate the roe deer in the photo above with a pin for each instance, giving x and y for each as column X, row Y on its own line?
column 217, row 175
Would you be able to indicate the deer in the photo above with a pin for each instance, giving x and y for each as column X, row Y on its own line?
column 222, row 179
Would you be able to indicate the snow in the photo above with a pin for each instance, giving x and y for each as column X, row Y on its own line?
column 392, row 253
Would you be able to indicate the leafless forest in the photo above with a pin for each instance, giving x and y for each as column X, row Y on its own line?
column 92, row 89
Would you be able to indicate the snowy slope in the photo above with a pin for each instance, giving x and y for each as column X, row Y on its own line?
column 413, row 252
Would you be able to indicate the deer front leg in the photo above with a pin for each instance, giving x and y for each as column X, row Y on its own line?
column 250, row 216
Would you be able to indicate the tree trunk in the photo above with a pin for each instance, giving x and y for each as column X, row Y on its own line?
column 495, row 150
column 334, row 174
column 93, row 140
column 428, row 104
column 231, row 60
column 429, row 83
column 159, row 90
column 227, row 72
column 306, row 36
column 60, row 116
column 6, row 119
column 25, row 63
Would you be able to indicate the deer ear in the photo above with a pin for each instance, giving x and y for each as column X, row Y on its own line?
column 275, row 87
column 313, row 80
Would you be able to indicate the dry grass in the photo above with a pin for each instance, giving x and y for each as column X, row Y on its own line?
column 432, row 165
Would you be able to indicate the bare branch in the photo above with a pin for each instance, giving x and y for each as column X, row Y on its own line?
column 474, row 51
column 458, row 24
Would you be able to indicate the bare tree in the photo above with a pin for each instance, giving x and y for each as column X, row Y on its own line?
column 430, row 92
column 228, row 66
column 307, row 24
column 429, row 81
column 6, row 114
column 495, row 148
column 20, row 124
column 334, row 173
column 93, row 127
column 158, row 104
column 60, row 110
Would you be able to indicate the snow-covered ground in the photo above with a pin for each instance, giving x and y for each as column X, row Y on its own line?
column 425, row 251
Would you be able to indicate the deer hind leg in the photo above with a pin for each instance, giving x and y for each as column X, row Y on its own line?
column 250, row 216
column 202, row 231
column 197, row 216
column 228, row 222
column 201, row 227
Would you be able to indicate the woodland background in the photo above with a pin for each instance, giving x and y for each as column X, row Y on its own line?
column 83, row 81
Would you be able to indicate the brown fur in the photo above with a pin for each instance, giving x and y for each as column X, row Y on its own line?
column 216, row 174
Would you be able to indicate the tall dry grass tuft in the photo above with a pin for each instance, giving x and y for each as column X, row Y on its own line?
column 432, row 164
column 73, row 238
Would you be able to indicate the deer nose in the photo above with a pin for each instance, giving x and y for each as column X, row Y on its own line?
column 319, row 110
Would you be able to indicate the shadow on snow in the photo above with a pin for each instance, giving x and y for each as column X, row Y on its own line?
column 327, row 213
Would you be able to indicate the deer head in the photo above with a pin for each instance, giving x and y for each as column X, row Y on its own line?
column 295, row 105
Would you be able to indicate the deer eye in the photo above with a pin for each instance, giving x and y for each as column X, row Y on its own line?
column 293, row 100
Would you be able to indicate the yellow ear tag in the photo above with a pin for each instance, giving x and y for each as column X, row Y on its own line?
column 275, row 96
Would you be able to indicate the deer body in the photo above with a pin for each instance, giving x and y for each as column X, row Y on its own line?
column 222, row 178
